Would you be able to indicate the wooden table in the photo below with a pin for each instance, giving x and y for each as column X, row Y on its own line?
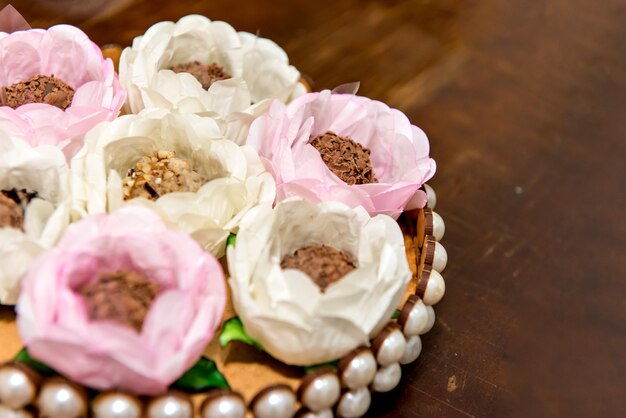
column 525, row 106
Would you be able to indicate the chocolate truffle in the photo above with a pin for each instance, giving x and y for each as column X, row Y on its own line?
column 205, row 74
column 38, row 89
column 323, row 264
column 349, row 160
column 121, row 296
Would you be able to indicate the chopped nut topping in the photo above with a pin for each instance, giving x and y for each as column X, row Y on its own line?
column 12, row 206
column 323, row 264
column 205, row 74
column 347, row 159
column 124, row 297
column 159, row 174
column 38, row 89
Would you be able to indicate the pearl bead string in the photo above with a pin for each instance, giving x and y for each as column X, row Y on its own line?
column 345, row 392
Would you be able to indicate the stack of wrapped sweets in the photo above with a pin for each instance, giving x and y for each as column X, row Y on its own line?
column 233, row 245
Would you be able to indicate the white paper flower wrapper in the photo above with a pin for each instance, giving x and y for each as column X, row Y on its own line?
column 284, row 310
column 259, row 68
column 237, row 178
column 43, row 170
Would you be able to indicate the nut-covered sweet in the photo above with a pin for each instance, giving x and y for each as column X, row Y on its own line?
column 156, row 175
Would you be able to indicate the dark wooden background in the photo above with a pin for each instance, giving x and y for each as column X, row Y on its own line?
column 525, row 106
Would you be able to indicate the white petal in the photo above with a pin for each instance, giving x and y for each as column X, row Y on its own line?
column 237, row 178
column 284, row 310
column 17, row 253
column 259, row 67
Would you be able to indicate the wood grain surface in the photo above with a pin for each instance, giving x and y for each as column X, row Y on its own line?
column 524, row 103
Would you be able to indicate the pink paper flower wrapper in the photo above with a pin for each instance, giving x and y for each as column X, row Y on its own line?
column 53, row 321
column 399, row 151
column 67, row 53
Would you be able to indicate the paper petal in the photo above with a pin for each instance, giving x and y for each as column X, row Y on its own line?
column 347, row 88
column 284, row 310
column 11, row 20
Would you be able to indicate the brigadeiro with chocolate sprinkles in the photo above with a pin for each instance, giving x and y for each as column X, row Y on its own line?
column 58, row 86
column 347, row 148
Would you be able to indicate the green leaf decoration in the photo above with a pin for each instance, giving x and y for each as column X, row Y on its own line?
column 202, row 376
column 396, row 314
column 331, row 364
column 231, row 240
column 233, row 330
column 24, row 357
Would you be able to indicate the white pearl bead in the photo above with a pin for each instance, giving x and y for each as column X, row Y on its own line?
column 61, row 400
column 224, row 407
column 431, row 320
column 439, row 227
column 435, row 288
column 417, row 320
column 16, row 388
column 355, row 403
column 413, row 350
column 326, row 413
column 360, row 371
column 392, row 348
column 387, row 378
column 6, row 412
column 279, row 403
column 170, row 407
column 440, row 258
column 322, row 392
column 432, row 196
column 116, row 405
